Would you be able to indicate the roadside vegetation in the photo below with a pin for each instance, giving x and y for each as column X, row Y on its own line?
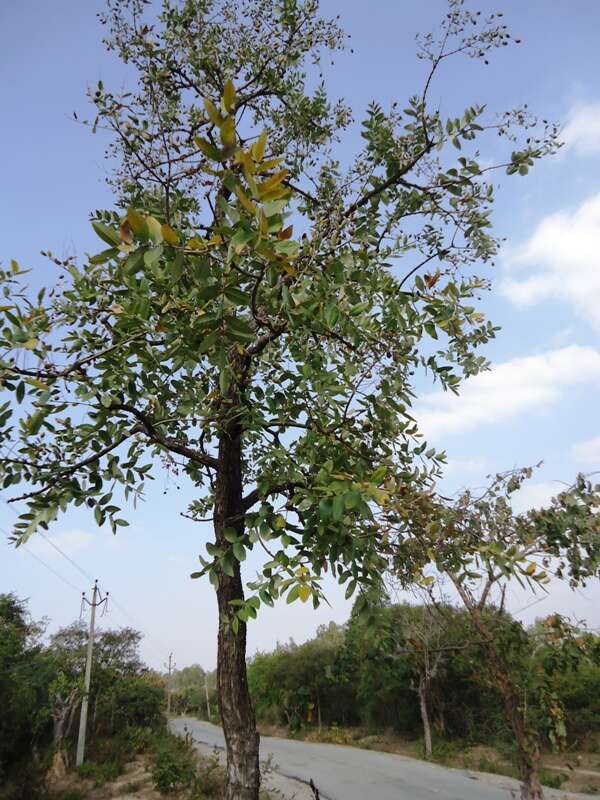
column 357, row 684
column 129, row 749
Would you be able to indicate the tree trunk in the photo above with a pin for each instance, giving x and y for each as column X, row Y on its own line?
column 528, row 751
column 319, row 712
column 425, row 718
column 237, row 713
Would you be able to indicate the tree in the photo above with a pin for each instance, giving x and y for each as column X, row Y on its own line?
column 481, row 544
column 25, row 721
column 275, row 373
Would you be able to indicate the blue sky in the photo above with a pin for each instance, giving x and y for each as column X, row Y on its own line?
column 539, row 402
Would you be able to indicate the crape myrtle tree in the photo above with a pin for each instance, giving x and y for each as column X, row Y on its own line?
column 259, row 311
column 480, row 544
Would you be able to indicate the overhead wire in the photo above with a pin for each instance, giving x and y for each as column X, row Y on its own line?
column 123, row 611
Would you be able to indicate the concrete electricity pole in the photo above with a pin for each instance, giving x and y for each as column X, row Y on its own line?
column 207, row 700
column 97, row 600
column 170, row 667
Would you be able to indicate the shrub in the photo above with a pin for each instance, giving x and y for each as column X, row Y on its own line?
column 553, row 780
column 173, row 764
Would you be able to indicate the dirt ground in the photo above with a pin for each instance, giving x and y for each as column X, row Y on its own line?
column 136, row 783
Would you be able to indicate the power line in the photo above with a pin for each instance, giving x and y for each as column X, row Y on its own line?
column 87, row 575
column 71, row 561
column 53, row 571
column 44, row 564
column 83, row 571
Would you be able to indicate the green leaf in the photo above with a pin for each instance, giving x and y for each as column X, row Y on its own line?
column 239, row 329
column 152, row 256
column 34, row 422
column 108, row 235
column 133, row 263
column 224, row 381
column 239, row 551
column 237, row 296
column 208, row 149
column 332, row 314
column 231, row 534
column 379, row 474
column 104, row 256
column 337, row 508
column 227, row 566
column 293, row 594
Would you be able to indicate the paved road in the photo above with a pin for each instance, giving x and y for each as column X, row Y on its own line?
column 347, row 773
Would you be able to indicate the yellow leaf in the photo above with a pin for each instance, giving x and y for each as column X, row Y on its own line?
column 245, row 200
column 287, row 268
column 247, row 163
column 169, row 234
column 270, row 164
column 264, row 225
column 304, row 592
column 278, row 193
column 258, row 148
column 137, row 223
column 273, row 181
column 154, row 230
column 30, row 344
column 6, row 308
column 227, row 130
column 212, row 112
column 197, row 244
column 14, row 266
column 530, row 569
column 229, row 96
column 37, row 383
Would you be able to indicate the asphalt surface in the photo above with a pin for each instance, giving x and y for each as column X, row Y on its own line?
column 348, row 773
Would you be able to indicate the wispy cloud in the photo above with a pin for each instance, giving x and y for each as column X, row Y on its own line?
column 70, row 542
column 561, row 259
column 536, row 495
column 588, row 451
column 509, row 389
column 582, row 131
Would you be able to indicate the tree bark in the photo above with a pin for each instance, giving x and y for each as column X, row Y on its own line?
column 528, row 751
column 425, row 718
column 237, row 713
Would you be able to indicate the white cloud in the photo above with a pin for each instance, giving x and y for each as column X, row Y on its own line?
column 532, row 383
column 560, row 259
column 588, row 451
column 70, row 542
column 535, row 495
column 582, row 131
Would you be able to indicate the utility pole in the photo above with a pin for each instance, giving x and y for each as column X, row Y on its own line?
column 170, row 667
column 206, row 690
column 97, row 600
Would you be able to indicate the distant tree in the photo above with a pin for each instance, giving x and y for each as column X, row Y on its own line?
column 275, row 370
column 25, row 721
column 481, row 544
